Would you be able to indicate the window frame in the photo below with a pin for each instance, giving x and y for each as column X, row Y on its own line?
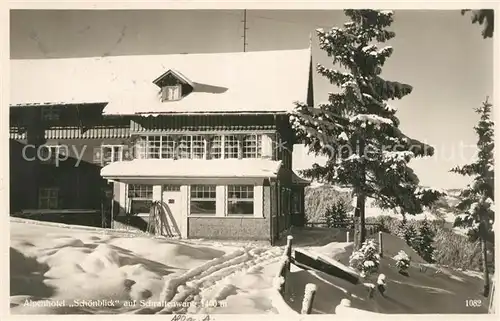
column 131, row 199
column 229, row 150
column 248, row 149
column 48, row 198
column 50, row 113
column 296, row 200
column 249, row 189
column 202, row 198
column 120, row 148
column 165, row 92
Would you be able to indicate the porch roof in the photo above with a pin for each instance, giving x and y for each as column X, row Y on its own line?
column 191, row 168
column 297, row 180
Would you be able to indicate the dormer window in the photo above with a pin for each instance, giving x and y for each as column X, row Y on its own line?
column 173, row 86
column 169, row 93
column 50, row 114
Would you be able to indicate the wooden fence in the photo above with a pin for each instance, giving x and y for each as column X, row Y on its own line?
column 283, row 272
column 310, row 288
column 371, row 228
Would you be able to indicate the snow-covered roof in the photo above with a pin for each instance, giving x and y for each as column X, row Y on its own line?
column 264, row 81
column 184, row 168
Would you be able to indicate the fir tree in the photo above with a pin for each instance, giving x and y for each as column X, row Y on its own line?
column 484, row 17
column 477, row 198
column 425, row 240
column 356, row 128
column 336, row 214
column 407, row 232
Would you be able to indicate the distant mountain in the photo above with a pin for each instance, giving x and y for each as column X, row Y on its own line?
column 319, row 198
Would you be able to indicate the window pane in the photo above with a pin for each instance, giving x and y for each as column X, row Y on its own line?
column 240, row 199
column 240, row 207
column 168, row 147
column 53, row 203
column 106, row 155
column 117, row 154
column 154, row 145
column 216, row 147
column 202, row 207
column 140, row 148
column 198, row 146
column 140, row 191
column 240, row 191
column 43, row 203
column 252, row 145
column 140, row 206
column 203, row 191
column 231, row 146
column 172, row 188
column 185, row 147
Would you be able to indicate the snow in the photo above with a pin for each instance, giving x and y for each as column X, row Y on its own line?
column 397, row 156
column 343, row 136
column 386, row 12
column 371, row 119
column 192, row 168
column 368, row 48
column 72, row 265
column 126, row 82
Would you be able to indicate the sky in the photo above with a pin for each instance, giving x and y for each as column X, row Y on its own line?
column 439, row 52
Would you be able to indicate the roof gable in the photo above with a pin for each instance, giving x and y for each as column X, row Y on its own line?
column 172, row 77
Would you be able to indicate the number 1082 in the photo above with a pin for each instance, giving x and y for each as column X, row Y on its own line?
column 473, row 303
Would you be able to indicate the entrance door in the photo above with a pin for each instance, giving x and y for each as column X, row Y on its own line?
column 171, row 196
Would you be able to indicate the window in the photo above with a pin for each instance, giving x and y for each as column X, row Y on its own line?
column 240, row 200
column 154, row 147
column 184, row 148
column 167, row 147
column 203, row 200
column 171, row 93
column 252, row 146
column 140, row 198
column 111, row 153
column 50, row 113
column 296, row 202
column 216, row 147
column 171, row 188
column 285, row 201
column 48, row 198
column 49, row 153
column 198, row 144
column 231, row 146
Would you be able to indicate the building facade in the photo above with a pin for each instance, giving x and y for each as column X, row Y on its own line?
column 196, row 146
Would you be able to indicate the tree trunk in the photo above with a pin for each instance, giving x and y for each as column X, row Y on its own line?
column 486, row 274
column 359, row 222
column 359, row 212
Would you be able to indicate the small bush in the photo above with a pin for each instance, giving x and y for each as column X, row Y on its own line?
column 402, row 261
column 366, row 260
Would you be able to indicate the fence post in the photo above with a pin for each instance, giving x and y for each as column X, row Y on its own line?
column 380, row 244
column 288, row 253
column 347, row 241
column 307, row 303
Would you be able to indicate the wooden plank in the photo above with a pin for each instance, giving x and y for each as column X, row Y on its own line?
column 304, row 260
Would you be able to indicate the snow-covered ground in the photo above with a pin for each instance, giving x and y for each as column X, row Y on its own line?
column 58, row 270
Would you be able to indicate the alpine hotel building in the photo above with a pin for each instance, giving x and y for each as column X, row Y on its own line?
column 203, row 141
